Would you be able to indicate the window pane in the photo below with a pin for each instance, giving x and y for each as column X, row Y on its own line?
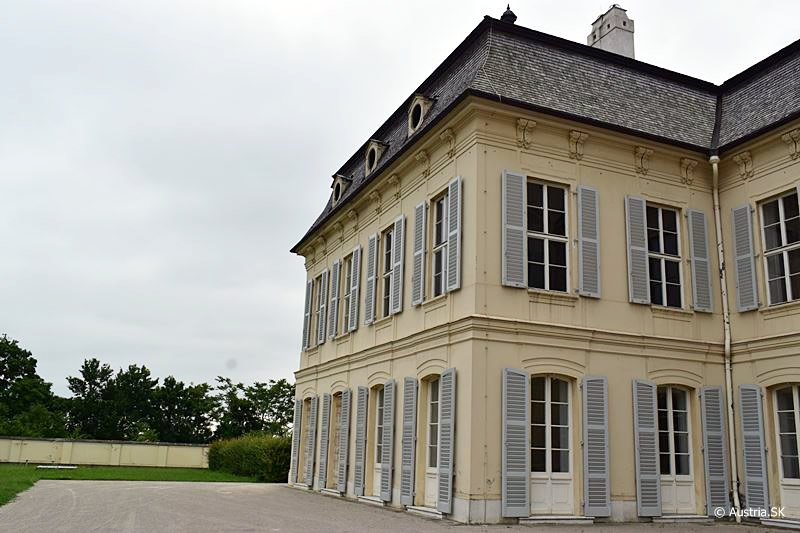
column 785, row 399
column 558, row 390
column 790, row 206
column 681, row 443
column 555, row 198
column 663, row 420
column 670, row 220
column 789, row 444
column 558, row 279
column 794, row 281
column 672, row 271
column 680, row 421
column 433, row 456
column 791, row 468
column 679, row 399
column 559, row 414
column 655, row 269
column 770, row 212
column 663, row 441
column 786, row 422
column 655, row 293
column 537, row 388
column 673, row 295
column 559, row 438
column 664, row 463
column 555, row 223
column 662, row 397
column 671, row 243
column 772, row 236
column 777, row 291
column 794, row 261
column 792, row 231
column 535, row 276
column 537, row 413
column 535, row 194
column 537, row 461
column 682, row 465
column 775, row 267
column 535, row 219
column 653, row 240
column 537, row 436
column 536, row 250
column 652, row 218
column 557, row 253
column 560, row 461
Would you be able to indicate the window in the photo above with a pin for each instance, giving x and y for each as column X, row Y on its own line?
column 433, row 423
column 312, row 327
column 673, row 431
column 780, row 219
column 664, row 257
column 547, row 237
column 387, row 271
column 550, row 424
column 379, row 428
column 786, row 403
column 347, row 266
column 439, row 271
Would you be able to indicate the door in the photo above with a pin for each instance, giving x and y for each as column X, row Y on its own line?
column 432, row 447
column 787, row 420
column 551, row 446
column 675, row 451
column 376, row 469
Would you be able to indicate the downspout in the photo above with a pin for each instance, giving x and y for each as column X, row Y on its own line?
column 726, row 328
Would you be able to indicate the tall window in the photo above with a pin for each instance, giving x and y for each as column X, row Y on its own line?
column 547, row 237
column 673, row 431
column 347, row 266
column 439, row 245
column 780, row 219
column 549, row 425
column 379, row 428
column 786, row 403
column 387, row 271
column 664, row 256
column 312, row 327
column 433, row 423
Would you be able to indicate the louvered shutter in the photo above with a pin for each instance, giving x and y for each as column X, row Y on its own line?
column 307, row 316
column 701, row 263
column 361, row 440
column 596, row 490
column 311, row 440
column 324, row 432
column 296, row 425
column 388, row 441
column 355, row 273
column 447, row 426
column 409, row 441
column 746, row 290
column 589, row 241
column 372, row 267
column 344, row 441
column 398, row 261
column 715, row 452
column 514, row 241
column 756, row 490
column 638, row 268
column 454, row 201
column 648, row 482
column 516, row 443
column 323, row 299
column 333, row 307
column 418, row 261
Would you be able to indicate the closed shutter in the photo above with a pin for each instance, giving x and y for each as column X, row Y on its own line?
column 344, row 441
column 589, row 241
column 311, row 440
column 372, row 267
column 409, row 441
column 361, row 440
column 333, row 308
column 307, row 316
column 418, row 261
column 355, row 273
column 323, row 302
column 638, row 270
column 296, row 426
column 596, row 491
column 447, row 426
column 454, row 201
column 701, row 263
column 322, row 467
column 648, row 482
column 514, row 241
column 516, row 443
column 715, row 452
column 398, row 261
column 746, row 290
column 756, row 490
column 388, row 441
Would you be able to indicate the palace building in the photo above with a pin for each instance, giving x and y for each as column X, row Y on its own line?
column 560, row 284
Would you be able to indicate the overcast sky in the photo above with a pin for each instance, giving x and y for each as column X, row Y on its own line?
column 159, row 158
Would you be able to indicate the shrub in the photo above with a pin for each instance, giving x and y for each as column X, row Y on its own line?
column 265, row 457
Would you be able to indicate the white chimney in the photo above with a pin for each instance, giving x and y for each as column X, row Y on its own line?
column 613, row 31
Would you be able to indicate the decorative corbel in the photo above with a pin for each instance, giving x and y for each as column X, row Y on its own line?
column 375, row 197
column 792, row 140
column 687, row 170
column 352, row 215
column 576, row 140
column 321, row 244
column 745, row 162
column 525, row 132
column 423, row 158
column 450, row 138
column 642, row 159
column 338, row 226
column 394, row 181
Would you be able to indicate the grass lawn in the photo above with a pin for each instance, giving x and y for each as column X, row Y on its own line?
column 15, row 478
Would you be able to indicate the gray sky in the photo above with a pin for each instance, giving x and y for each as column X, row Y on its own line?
column 159, row 158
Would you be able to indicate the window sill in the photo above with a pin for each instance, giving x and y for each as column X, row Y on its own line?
column 436, row 302
column 342, row 337
column 780, row 310
column 673, row 313
column 552, row 297
column 312, row 350
column 382, row 321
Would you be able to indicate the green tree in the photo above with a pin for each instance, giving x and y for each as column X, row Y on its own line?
column 183, row 413
column 131, row 394
column 90, row 411
column 273, row 405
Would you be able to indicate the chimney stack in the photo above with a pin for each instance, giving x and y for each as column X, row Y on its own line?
column 613, row 31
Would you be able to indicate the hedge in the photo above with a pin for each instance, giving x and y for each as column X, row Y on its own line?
column 265, row 457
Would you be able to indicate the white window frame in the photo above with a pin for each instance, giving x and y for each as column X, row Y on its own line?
column 545, row 236
column 664, row 257
column 440, row 248
column 548, row 459
column 796, row 402
column 431, row 446
column 671, row 433
column 313, row 327
column 379, row 406
column 783, row 250
column 347, row 274
column 386, row 242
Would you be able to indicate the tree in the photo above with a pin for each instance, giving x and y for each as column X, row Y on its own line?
column 273, row 405
column 131, row 394
column 90, row 408
column 183, row 413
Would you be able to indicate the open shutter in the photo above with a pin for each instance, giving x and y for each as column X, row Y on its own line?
column 589, row 241
column 355, row 273
column 307, row 316
column 746, row 290
column 409, row 441
column 715, row 452
column 322, row 467
column 648, row 479
column 398, row 260
column 514, row 241
column 516, row 443
column 447, row 425
column 596, row 490
column 756, row 490
column 454, row 201
column 323, row 302
column 418, row 261
column 344, row 441
column 372, row 267
column 638, row 269
column 311, row 440
column 701, row 263
column 388, row 441
column 296, row 425
column 333, row 307
column 361, row 440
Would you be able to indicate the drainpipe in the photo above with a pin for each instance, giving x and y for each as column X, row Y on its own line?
column 726, row 327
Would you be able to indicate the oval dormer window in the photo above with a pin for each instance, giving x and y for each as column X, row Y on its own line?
column 416, row 116
column 371, row 157
column 337, row 192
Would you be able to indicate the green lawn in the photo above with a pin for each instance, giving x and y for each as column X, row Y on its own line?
column 15, row 478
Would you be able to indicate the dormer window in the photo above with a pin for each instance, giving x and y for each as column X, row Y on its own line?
column 417, row 111
column 375, row 150
column 339, row 185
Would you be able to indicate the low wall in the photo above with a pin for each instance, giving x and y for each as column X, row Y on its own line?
column 102, row 452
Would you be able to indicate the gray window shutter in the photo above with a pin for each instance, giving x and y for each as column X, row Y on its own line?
column 715, row 452
column 311, row 440
column 355, row 273
column 746, row 290
column 344, row 441
column 333, row 307
column 514, row 240
column 398, row 260
column 756, row 490
column 447, row 426
column 596, row 490
column 361, row 440
column 323, row 302
column 418, row 261
column 638, row 269
column 701, row 263
column 307, row 316
column 516, row 443
column 454, row 201
column 409, row 441
column 589, row 241
column 296, row 427
column 648, row 478
column 388, row 441
column 372, row 267
column 324, row 432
